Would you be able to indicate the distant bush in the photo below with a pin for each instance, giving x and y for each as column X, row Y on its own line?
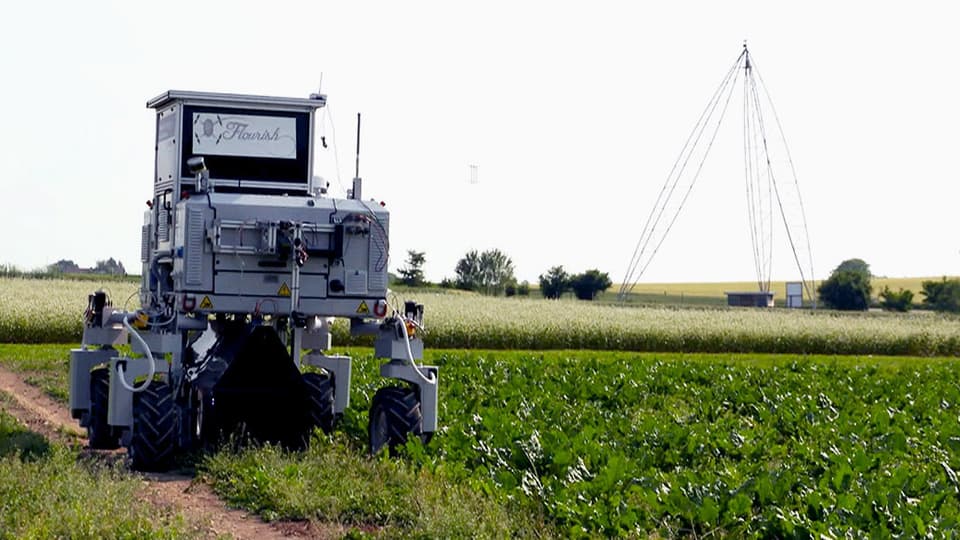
column 412, row 273
column 447, row 283
column 587, row 285
column 848, row 287
column 523, row 289
column 554, row 283
column 943, row 295
column 902, row 300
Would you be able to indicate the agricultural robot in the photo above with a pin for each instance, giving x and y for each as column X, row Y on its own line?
column 246, row 261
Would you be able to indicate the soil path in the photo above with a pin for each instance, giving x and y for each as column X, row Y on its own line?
column 208, row 516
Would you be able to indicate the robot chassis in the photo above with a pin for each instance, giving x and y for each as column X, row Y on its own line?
column 245, row 263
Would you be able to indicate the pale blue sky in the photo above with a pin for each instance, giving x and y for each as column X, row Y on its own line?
column 574, row 113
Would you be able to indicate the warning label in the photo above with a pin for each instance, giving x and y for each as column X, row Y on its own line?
column 284, row 290
column 362, row 308
column 206, row 303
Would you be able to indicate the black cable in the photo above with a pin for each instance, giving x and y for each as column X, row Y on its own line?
column 210, row 205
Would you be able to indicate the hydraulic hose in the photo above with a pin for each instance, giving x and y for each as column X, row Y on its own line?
column 406, row 340
column 149, row 357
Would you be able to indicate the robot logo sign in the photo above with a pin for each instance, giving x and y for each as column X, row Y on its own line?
column 245, row 135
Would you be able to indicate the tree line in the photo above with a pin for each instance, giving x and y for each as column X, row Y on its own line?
column 491, row 272
column 109, row 266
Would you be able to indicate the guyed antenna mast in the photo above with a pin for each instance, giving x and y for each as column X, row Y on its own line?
column 767, row 191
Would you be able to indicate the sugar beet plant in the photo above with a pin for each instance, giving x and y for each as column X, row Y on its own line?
column 621, row 444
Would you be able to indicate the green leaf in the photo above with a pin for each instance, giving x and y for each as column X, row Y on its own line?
column 738, row 507
column 709, row 511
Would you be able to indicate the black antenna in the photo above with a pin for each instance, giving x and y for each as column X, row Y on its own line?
column 357, row 183
column 357, row 175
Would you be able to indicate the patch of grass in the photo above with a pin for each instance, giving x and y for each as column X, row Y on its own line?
column 45, row 366
column 335, row 481
column 46, row 493
column 15, row 440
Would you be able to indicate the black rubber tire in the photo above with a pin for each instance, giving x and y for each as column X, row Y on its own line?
column 153, row 440
column 320, row 393
column 101, row 434
column 395, row 413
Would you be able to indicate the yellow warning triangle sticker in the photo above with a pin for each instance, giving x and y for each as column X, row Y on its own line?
column 206, row 303
column 362, row 308
column 284, row 290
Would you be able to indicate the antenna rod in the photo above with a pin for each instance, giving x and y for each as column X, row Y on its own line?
column 357, row 184
column 357, row 175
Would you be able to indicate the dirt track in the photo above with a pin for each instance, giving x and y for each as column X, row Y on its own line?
column 208, row 516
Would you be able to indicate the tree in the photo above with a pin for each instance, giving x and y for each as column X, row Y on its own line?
column 943, row 295
column 64, row 266
column 489, row 272
column 848, row 287
column 412, row 274
column 469, row 272
column 587, row 285
column 109, row 266
column 854, row 265
column 497, row 272
column 554, row 283
column 523, row 289
column 896, row 301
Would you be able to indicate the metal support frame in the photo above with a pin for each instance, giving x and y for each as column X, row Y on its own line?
column 120, row 404
column 82, row 361
column 341, row 368
column 296, row 333
column 163, row 343
column 392, row 345
column 399, row 369
column 106, row 335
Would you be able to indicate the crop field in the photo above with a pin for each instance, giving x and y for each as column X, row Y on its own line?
column 731, row 422
column 671, row 445
column 49, row 311
column 631, row 444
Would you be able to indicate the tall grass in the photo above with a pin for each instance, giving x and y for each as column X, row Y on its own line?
column 515, row 323
column 333, row 481
column 49, row 311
